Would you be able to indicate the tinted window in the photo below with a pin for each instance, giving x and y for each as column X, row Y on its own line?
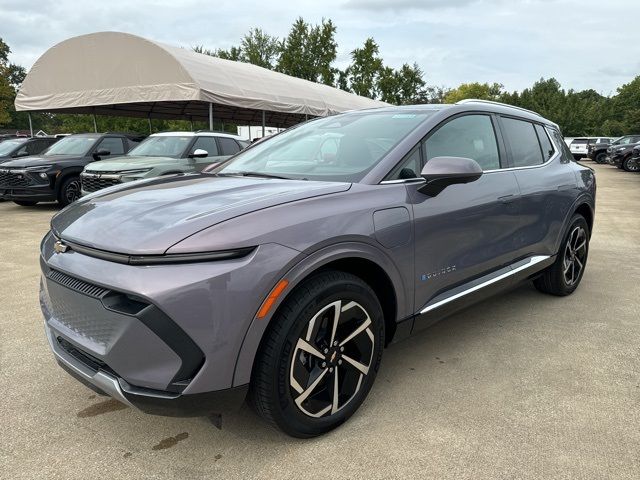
column 545, row 143
column 228, row 146
column 525, row 148
column 409, row 167
column 206, row 143
column 73, row 145
column 567, row 156
column 113, row 145
column 579, row 141
column 471, row 136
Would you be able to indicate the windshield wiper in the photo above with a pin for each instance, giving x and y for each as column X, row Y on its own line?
column 254, row 174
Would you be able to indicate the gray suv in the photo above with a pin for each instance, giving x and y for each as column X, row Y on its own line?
column 281, row 276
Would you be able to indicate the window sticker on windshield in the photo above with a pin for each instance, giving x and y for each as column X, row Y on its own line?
column 404, row 115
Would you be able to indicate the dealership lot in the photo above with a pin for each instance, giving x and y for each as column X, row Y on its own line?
column 521, row 386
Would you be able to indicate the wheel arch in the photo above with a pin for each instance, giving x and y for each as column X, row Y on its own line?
column 362, row 260
column 64, row 174
column 586, row 211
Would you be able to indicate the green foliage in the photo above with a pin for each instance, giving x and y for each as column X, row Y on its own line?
column 480, row 91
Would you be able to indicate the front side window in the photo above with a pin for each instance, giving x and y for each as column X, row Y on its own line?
column 470, row 136
column 207, row 144
column 228, row 146
column 341, row 148
column 73, row 145
column 525, row 147
column 112, row 145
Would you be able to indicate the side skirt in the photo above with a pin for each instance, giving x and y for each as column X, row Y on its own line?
column 479, row 289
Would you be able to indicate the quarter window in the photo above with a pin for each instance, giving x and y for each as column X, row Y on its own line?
column 409, row 167
column 545, row 143
column 471, row 136
column 525, row 148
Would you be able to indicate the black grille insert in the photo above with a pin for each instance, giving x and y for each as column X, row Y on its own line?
column 11, row 179
column 78, row 285
column 93, row 183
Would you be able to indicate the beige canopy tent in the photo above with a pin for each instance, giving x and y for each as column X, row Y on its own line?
column 112, row 73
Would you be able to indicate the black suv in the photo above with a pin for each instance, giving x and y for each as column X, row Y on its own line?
column 24, row 147
column 620, row 152
column 598, row 152
column 55, row 175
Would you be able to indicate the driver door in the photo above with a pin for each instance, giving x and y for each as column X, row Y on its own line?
column 467, row 230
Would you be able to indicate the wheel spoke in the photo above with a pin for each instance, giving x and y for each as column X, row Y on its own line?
column 581, row 246
column 305, row 394
column 357, row 331
column 337, row 306
column 363, row 368
column 307, row 347
column 334, row 404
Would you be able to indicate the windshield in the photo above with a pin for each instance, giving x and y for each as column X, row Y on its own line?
column 162, row 146
column 9, row 145
column 72, row 146
column 341, row 148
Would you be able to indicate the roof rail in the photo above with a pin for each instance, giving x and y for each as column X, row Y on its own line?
column 475, row 100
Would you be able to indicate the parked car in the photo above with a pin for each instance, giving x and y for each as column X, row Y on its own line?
column 162, row 154
column 283, row 280
column 598, row 151
column 620, row 155
column 633, row 165
column 55, row 175
column 24, row 147
column 580, row 146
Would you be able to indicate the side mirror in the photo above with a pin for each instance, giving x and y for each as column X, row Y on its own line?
column 440, row 172
column 199, row 153
column 101, row 153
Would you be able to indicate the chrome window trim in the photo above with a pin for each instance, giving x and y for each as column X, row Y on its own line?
column 531, row 263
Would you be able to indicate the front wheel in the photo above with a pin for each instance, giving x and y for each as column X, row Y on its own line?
column 601, row 158
column 320, row 356
column 630, row 165
column 69, row 191
column 564, row 276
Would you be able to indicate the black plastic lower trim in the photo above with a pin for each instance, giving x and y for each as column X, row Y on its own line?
column 195, row 405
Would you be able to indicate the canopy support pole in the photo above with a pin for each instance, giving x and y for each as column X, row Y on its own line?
column 263, row 122
column 210, row 116
column 30, row 124
column 95, row 124
column 149, row 119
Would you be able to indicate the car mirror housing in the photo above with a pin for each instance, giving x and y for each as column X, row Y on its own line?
column 199, row 153
column 440, row 172
column 101, row 153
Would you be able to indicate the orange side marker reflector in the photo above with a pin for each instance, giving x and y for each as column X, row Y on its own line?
column 271, row 299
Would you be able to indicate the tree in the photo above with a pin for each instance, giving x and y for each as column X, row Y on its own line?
column 365, row 68
column 308, row 51
column 259, row 49
column 11, row 76
column 480, row 91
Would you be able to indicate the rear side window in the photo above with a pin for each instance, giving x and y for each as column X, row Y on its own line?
column 206, row 143
column 470, row 136
column 522, row 138
column 545, row 143
column 228, row 146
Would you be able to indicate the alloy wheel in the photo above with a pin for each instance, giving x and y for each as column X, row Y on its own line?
column 575, row 254
column 331, row 358
column 72, row 192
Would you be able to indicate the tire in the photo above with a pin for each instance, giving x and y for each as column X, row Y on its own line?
column 69, row 190
column 630, row 166
column 285, row 361
column 25, row 203
column 564, row 276
column 601, row 158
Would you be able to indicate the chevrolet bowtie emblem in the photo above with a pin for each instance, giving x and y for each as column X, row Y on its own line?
column 60, row 247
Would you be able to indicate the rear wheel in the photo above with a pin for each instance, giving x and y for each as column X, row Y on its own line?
column 320, row 357
column 564, row 276
column 25, row 203
column 601, row 158
column 69, row 190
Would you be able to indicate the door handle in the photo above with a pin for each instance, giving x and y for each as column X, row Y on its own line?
column 506, row 199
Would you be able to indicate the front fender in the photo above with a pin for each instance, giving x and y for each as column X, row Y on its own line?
column 300, row 271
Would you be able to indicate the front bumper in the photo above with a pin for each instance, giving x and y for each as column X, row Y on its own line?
column 21, row 185
column 41, row 193
column 166, row 338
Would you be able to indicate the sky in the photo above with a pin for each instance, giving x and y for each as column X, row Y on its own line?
column 582, row 43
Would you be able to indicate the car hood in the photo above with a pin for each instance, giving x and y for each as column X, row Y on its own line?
column 150, row 216
column 129, row 163
column 38, row 160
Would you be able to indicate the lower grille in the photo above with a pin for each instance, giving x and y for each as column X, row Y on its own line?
column 10, row 179
column 90, row 361
column 93, row 183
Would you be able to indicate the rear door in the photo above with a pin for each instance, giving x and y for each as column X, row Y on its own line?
column 469, row 230
column 546, row 180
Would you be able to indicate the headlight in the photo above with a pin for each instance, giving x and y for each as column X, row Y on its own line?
column 138, row 171
column 619, row 149
column 38, row 168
